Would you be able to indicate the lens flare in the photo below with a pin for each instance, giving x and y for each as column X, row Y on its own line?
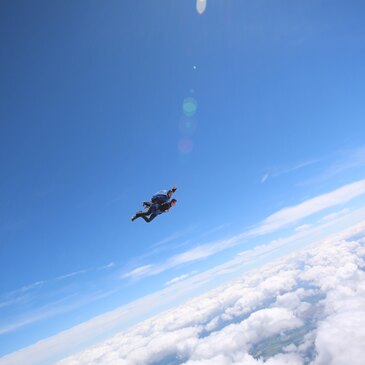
column 189, row 106
column 200, row 6
column 185, row 145
column 187, row 126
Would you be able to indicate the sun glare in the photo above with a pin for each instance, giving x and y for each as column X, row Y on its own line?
column 200, row 6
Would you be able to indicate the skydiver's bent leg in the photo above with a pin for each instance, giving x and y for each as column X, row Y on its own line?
column 135, row 216
column 145, row 215
column 148, row 219
column 138, row 215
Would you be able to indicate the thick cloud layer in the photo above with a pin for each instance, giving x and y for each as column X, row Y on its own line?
column 308, row 308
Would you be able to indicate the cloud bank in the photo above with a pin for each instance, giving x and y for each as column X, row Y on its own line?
column 307, row 308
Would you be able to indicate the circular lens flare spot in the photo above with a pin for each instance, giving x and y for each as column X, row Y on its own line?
column 187, row 126
column 185, row 145
column 189, row 106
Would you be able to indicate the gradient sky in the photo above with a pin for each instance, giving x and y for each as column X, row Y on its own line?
column 249, row 107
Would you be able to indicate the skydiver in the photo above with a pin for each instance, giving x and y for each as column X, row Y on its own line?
column 162, row 196
column 154, row 210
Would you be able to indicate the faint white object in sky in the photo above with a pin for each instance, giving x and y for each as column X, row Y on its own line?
column 201, row 5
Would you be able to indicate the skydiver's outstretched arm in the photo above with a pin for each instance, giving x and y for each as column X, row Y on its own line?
column 172, row 190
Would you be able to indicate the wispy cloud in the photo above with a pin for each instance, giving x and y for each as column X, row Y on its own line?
column 20, row 295
column 216, row 229
column 344, row 161
column 139, row 271
column 180, row 278
column 278, row 171
column 303, row 227
column 64, row 305
column 40, row 314
column 264, row 178
column 107, row 266
column 173, row 237
column 75, row 273
column 196, row 253
column 287, row 216
column 38, row 284
column 29, row 294
column 332, row 216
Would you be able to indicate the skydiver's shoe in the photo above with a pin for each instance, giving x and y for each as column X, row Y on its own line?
column 138, row 214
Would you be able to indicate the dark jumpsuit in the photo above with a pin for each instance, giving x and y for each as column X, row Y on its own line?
column 153, row 211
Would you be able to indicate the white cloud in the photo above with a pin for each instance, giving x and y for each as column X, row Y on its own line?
column 108, row 266
column 303, row 227
column 19, row 295
column 278, row 171
column 196, row 253
column 180, row 278
column 340, row 337
column 308, row 307
column 290, row 215
column 52, row 309
column 346, row 160
column 27, row 299
column 139, row 271
column 227, row 305
column 173, row 237
column 75, row 273
column 264, row 178
column 330, row 217
column 29, row 292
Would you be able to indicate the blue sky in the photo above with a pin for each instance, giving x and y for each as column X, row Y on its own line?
column 249, row 108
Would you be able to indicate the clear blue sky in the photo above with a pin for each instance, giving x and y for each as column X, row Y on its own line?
column 92, row 122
